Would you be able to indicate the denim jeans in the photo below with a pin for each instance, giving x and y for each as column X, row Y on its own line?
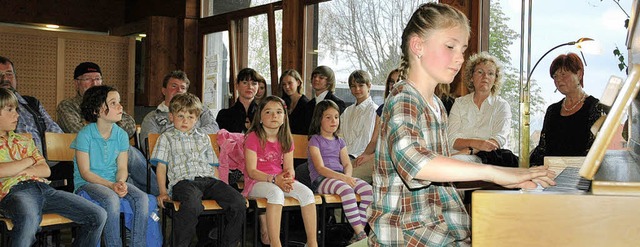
column 137, row 167
column 109, row 200
column 27, row 201
column 190, row 194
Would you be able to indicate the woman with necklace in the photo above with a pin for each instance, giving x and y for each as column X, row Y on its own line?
column 566, row 130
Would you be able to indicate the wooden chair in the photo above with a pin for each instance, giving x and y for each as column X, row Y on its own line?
column 330, row 202
column 211, row 207
column 259, row 205
column 58, row 146
column 50, row 222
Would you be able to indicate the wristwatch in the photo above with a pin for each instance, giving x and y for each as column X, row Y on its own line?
column 273, row 179
column 470, row 150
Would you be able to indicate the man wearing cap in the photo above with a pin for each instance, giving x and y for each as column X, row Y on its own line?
column 33, row 118
column 85, row 76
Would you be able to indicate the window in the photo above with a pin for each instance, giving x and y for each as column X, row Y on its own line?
column 555, row 23
column 361, row 35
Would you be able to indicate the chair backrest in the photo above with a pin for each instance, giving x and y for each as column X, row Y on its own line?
column 214, row 144
column 27, row 135
column 58, row 146
column 153, row 138
column 300, row 142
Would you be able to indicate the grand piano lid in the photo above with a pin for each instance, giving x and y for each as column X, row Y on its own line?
column 626, row 95
column 633, row 35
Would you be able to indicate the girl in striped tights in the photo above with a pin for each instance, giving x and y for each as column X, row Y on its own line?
column 330, row 167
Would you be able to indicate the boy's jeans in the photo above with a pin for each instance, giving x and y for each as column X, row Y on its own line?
column 28, row 200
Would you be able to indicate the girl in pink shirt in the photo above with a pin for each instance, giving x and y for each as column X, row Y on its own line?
column 269, row 169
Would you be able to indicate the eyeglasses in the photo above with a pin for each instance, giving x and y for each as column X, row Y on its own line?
column 7, row 75
column 482, row 72
column 96, row 79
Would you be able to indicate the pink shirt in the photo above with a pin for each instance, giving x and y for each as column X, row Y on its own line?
column 270, row 159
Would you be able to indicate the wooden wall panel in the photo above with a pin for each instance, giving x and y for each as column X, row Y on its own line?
column 473, row 11
column 34, row 58
column 112, row 57
column 45, row 60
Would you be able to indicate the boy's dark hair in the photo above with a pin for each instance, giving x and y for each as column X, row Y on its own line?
column 186, row 102
column 92, row 101
column 359, row 77
column 327, row 72
column 316, row 120
column 7, row 98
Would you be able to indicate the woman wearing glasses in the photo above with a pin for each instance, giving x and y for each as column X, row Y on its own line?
column 481, row 120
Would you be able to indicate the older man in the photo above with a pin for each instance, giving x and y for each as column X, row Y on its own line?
column 33, row 118
column 85, row 76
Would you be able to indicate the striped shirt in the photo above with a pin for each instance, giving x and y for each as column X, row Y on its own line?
column 186, row 155
column 407, row 211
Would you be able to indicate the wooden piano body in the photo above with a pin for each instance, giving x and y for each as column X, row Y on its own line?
column 608, row 215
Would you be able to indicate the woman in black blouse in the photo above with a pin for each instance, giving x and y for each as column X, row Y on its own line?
column 291, row 84
column 566, row 130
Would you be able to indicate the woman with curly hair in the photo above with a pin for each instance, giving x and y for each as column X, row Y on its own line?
column 480, row 120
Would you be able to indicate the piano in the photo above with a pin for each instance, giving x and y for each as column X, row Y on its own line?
column 607, row 214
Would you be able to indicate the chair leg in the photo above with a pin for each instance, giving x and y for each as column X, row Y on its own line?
column 123, row 230
column 285, row 216
column 256, row 227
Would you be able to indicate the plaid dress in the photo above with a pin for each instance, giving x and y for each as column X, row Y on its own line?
column 407, row 211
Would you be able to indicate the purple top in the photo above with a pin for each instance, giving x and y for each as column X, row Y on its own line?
column 330, row 152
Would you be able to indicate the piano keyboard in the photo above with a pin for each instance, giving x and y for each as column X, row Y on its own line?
column 570, row 181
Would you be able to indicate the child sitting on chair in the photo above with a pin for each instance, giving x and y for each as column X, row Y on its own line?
column 24, row 193
column 100, row 169
column 270, row 174
column 330, row 168
column 186, row 155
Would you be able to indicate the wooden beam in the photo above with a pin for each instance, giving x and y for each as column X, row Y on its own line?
column 293, row 21
column 233, row 60
column 273, row 56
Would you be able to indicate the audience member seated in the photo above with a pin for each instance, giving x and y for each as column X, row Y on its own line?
column 270, row 173
column 26, row 195
column 363, row 164
column 262, row 90
column 443, row 91
column 237, row 118
column 323, row 81
column 195, row 178
column 85, row 76
column 480, row 120
column 330, row 165
column 101, row 169
column 291, row 83
column 157, row 121
column 33, row 118
column 567, row 123
column 358, row 120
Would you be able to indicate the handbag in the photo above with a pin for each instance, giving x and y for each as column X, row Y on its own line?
column 499, row 157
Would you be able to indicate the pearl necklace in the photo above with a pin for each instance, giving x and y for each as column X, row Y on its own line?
column 564, row 103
